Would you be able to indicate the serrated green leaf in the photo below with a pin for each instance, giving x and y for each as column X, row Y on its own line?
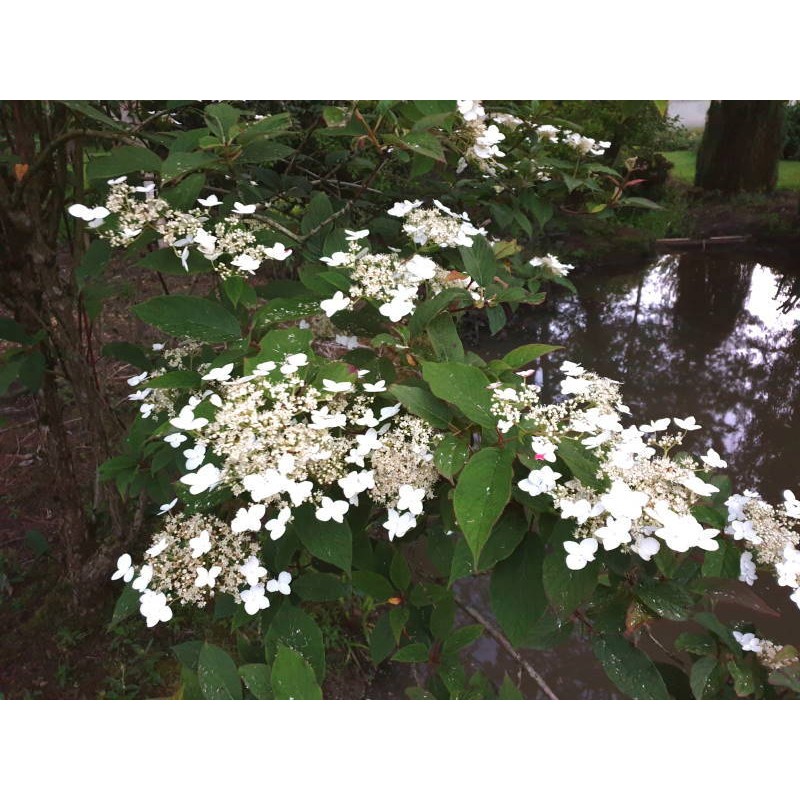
column 258, row 680
column 629, row 668
column 292, row 627
column 192, row 317
column 293, row 677
column 420, row 402
column 462, row 385
column 217, row 674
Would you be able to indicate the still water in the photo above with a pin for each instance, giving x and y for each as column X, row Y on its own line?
column 711, row 334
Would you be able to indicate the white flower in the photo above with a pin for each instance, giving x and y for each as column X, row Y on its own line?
column 688, row 424
column 299, row 492
column 219, row 373
column 195, row 456
column 354, row 483
column 747, row 569
column 367, row 442
column 175, row 440
column 338, row 259
column 277, row 252
column 354, row 236
column 240, row 208
column 321, row 418
column 248, row 519
column 158, row 548
column 281, row 584
column 399, row 524
column 264, row 486
column 712, row 459
column 96, row 214
column 246, row 263
column 124, row 569
column 206, row 243
column 622, row 501
column 540, row 481
column 572, row 369
column 681, row 531
column 795, row 597
column 158, row 346
column 471, row 110
column 254, row 599
column 264, row 368
column 653, row 427
column 579, row 554
column 698, row 486
column 380, row 386
column 572, row 385
column 167, row 507
column 422, row 268
column 748, row 641
column 791, row 504
column 401, row 209
column 410, row 499
column 137, row 379
column 186, row 420
column 145, row 576
column 252, row 571
column 293, row 362
column 332, row 510
column 207, row 577
column 210, row 201
column 743, row 529
column 552, row 265
column 117, row 181
column 580, row 510
column 148, row 187
column 736, row 504
column 349, row 342
column 153, row 606
column 543, row 449
column 277, row 526
column 200, row 544
column 398, row 307
column 645, row 547
column 614, row 533
column 140, row 395
column 336, row 386
column 146, row 409
column 389, row 411
column 205, row 478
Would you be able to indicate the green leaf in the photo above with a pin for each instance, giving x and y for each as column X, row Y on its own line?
column 566, row 588
column 184, row 195
column 479, row 261
column 509, row 690
column 668, row 600
column 292, row 627
column 257, row 678
column 180, row 379
column 582, row 463
column 706, row 677
column 277, row 344
column 122, row 161
column 541, row 209
column 421, row 403
column 460, row 638
column 724, row 562
column 444, row 338
column 127, row 604
column 192, row 317
column 188, row 653
column 399, row 571
column 179, row 163
column 744, row 680
column 428, row 309
column 12, row 331
column 516, row 591
column 450, row 455
column 412, row 653
column 374, row 585
column 85, row 108
column 286, row 309
column 218, row 676
column 319, row 587
column 481, row 494
column 381, row 640
column 318, row 210
column 464, row 386
column 128, row 353
column 629, row 669
column 424, row 144
column 520, row 356
column 220, row 118
column 293, row 677
column 331, row 541
column 264, row 151
column 700, row 644
column 92, row 264
column 640, row 202
column 398, row 617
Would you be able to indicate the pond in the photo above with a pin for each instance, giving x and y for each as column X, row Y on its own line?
column 712, row 334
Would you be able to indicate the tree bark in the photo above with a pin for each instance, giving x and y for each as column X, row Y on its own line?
column 741, row 146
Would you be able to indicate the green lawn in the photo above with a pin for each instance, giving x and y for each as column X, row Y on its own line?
column 788, row 172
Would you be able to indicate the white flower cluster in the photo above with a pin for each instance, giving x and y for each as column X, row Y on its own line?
column 550, row 264
column 482, row 139
column 771, row 534
column 646, row 498
column 583, row 145
column 768, row 653
column 393, row 281
column 230, row 243
column 276, row 442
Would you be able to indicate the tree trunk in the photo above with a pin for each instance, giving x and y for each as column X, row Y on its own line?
column 741, row 146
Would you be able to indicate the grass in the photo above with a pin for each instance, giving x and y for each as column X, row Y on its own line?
column 684, row 161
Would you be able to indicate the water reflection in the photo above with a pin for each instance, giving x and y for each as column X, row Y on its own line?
column 713, row 334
